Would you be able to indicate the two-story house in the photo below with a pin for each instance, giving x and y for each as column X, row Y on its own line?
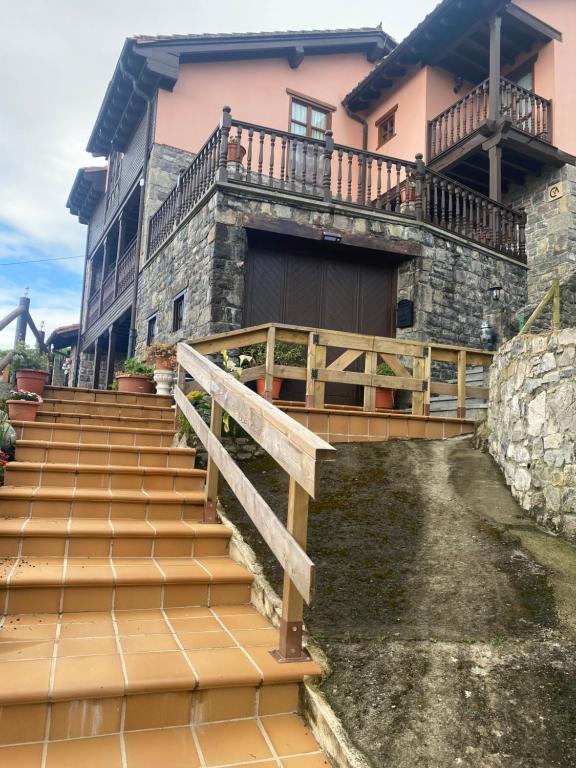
column 345, row 174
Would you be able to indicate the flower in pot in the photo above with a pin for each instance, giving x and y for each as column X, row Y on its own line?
column 236, row 151
column 136, row 377
column 163, row 356
column 31, row 366
column 285, row 353
column 22, row 405
column 384, row 395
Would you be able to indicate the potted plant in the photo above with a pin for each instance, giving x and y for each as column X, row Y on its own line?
column 162, row 355
column 384, row 395
column 285, row 353
column 23, row 406
column 31, row 366
column 136, row 377
column 236, row 151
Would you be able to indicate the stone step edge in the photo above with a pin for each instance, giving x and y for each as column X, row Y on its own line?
column 106, row 392
column 99, row 469
column 103, row 528
column 55, row 493
column 92, row 403
column 91, row 428
column 173, row 450
column 100, row 416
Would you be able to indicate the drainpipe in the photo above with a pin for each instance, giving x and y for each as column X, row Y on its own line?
column 363, row 122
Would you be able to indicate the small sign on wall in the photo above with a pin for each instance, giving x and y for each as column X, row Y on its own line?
column 555, row 191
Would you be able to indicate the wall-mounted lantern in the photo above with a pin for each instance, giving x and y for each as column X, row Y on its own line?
column 495, row 291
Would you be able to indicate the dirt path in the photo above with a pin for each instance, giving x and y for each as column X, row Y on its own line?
column 447, row 616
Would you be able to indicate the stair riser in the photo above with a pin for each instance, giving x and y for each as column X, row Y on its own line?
column 107, row 481
column 27, row 723
column 101, row 421
column 106, row 396
column 134, row 458
column 102, row 546
column 51, row 432
column 82, row 508
column 107, row 597
column 106, row 409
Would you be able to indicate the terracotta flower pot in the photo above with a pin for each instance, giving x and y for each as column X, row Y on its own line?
column 276, row 386
column 30, row 380
column 163, row 364
column 136, row 384
column 384, row 398
column 232, row 149
column 22, row 410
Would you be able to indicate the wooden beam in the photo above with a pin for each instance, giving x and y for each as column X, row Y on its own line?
column 296, row 56
column 495, row 160
column 409, row 384
column 538, row 26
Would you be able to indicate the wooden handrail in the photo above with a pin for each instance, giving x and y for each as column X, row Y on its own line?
column 551, row 295
column 295, row 448
column 11, row 316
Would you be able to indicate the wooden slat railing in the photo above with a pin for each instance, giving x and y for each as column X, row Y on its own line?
column 296, row 449
column 253, row 155
column 114, row 285
column 23, row 321
column 411, row 361
column 528, row 112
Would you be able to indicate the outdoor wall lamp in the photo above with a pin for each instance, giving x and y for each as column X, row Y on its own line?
column 495, row 292
column 331, row 237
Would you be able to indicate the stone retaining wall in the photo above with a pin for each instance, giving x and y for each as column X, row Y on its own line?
column 532, row 425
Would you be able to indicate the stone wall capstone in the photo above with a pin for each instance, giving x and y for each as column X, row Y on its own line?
column 532, row 425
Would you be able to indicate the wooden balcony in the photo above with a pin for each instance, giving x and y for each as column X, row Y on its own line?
column 114, row 285
column 257, row 156
column 526, row 111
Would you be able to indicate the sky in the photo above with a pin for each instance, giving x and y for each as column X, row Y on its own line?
column 56, row 59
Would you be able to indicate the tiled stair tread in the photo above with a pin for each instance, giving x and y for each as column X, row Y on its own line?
column 96, row 655
column 113, row 449
column 93, row 405
column 104, row 528
column 114, row 469
column 35, row 493
column 276, row 741
column 60, row 417
column 48, row 425
column 81, row 394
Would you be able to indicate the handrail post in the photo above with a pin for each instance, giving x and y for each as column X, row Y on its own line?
column 461, row 385
column 556, row 305
column 212, row 472
column 269, row 364
column 225, row 125
column 427, row 379
column 522, row 235
column 290, row 648
column 316, row 359
column 418, row 397
column 327, row 170
column 370, row 365
column 419, row 178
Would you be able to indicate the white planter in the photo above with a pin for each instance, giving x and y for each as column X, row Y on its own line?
column 164, row 381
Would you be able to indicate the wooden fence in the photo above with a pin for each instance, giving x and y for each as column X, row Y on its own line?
column 552, row 296
column 23, row 321
column 412, row 363
column 295, row 448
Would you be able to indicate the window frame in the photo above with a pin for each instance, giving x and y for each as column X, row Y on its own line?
column 151, row 319
column 310, row 104
column 387, row 117
column 180, row 297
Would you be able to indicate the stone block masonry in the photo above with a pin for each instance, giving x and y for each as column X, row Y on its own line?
column 532, row 425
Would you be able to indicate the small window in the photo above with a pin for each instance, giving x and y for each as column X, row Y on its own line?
column 151, row 330
column 178, row 312
column 386, row 126
column 309, row 119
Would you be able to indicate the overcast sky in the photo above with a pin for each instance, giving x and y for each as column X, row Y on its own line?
column 56, row 58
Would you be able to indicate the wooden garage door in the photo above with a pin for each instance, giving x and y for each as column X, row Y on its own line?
column 322, row 291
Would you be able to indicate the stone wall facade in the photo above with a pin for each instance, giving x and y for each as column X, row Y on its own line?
column 532, row 425
column 550, row 204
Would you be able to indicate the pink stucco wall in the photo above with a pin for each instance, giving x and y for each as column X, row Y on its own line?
column 556, row 65
column 256, row 91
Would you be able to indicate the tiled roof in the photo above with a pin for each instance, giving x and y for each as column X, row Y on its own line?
column 275, row 33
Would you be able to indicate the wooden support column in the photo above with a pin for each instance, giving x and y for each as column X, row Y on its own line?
column 461, row 386
column 292, row 603
column 495, row 160
column 418, row 371
column 111, row 356
column 212, row 472
column 120, row 248
column 97, row 363
column 316, row 359
column 428, row 380
column 104, row 260
column 269, row 364
column 495, row 68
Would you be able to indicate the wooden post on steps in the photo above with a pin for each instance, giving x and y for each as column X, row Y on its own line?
column 292, row 603
column 461, row 408
column 556, row 305
column 269, row 364
column 180, row 378
column 316, row 359
column 427, row 379
column 370, row 365
column 418, row 372
column 212, row 471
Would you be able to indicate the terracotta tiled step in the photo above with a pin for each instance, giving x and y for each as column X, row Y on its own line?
column 107, row 396
column 85, row 537
column 50, row 585
column 107, row 409
column 143, row 668
column 104, row 455
column 127, row 422
column 31, row 501
column 92, row 433
column 267, row 742
column 111, row 477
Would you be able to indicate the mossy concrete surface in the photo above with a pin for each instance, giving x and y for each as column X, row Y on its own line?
column 448, row 617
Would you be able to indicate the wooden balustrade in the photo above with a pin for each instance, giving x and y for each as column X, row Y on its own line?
column 114, row 284
column 410, row 361
column 527, row 111
column 296, row 450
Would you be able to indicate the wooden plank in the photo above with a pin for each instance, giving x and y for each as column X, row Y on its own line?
column 315, row 390
column 396, row 365
column 346, row 358
column 211, row 493
column 370, row 365
column 288, row 552
column 251, row 374
column 269, row 364
column 293, row 446
column 231, row 340
column 428, row 379
column 292, row 337
column 443, row 388
column 418, row 397
column 370, row 380
column 290, row 372
column 370, row 343
column 461, row 385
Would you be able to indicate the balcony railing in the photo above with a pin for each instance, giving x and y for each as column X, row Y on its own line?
column 113, row 285
column 257, row 156
column 527, row 111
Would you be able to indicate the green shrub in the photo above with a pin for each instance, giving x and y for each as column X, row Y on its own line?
column 29, row 357
column 134, row 367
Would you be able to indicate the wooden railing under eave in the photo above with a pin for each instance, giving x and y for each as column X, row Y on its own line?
column 296, row 449
column 23, row 321
column 413, row 364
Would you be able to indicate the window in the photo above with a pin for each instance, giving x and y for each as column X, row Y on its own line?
column 178, row 312
column 309, row 118
column 151, row 330
column 386, row 126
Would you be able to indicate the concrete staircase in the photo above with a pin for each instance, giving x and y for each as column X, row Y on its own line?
column 446, row 405
column 127, row 637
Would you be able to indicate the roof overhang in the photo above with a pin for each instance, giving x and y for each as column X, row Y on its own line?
column 454, row 36
column 149, row 63
column 87, row 189
column 65, row 336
